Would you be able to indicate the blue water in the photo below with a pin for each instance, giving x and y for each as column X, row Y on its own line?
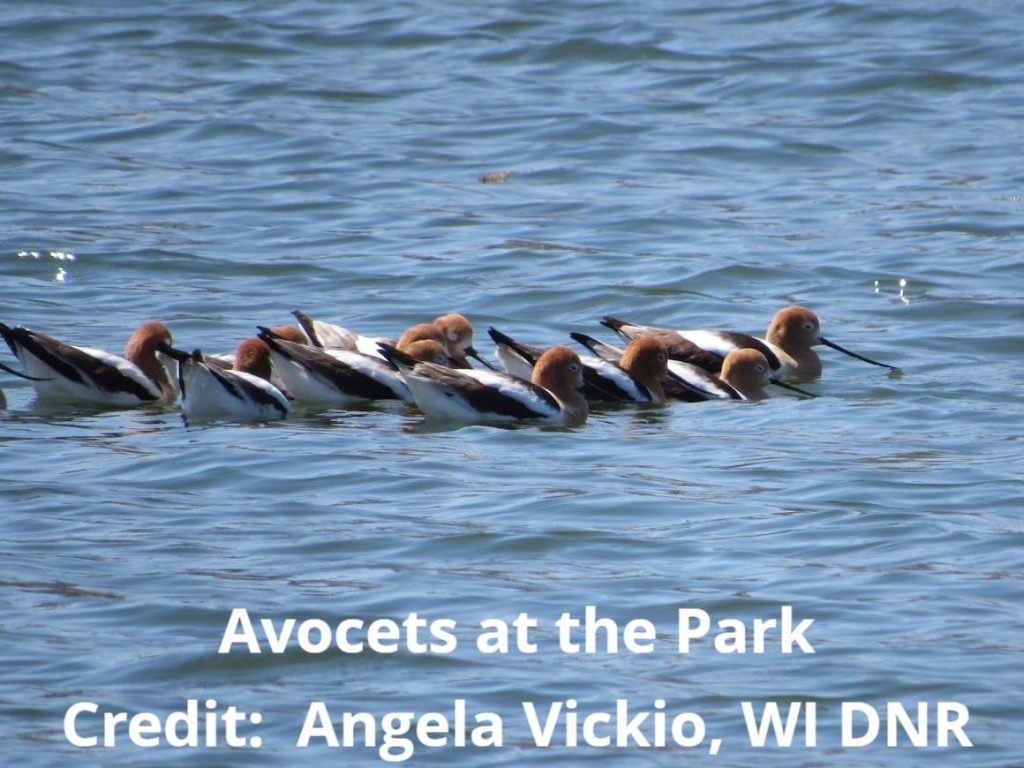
column 217, row 165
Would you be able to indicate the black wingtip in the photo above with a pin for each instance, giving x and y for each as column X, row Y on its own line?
column 584, row 339
column 608, row 321
column 500, row 338
column 395, row 356
column 526, row 352
column 306, row 323
column 271, row 339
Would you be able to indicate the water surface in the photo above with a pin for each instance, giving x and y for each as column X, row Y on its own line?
column 218, row 166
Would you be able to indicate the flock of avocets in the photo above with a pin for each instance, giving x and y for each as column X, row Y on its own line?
column 317, row 364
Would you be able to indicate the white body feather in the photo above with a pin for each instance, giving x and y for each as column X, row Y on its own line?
column 226, row 361
column 610, row 371
column 720, row 344
column 607, row 369
column 310, row 384
column 448, row 400
column 334, row 337
column 694, row 376
column 698, row 379
column 513, row 363
column 208, row 395
column 59, row 387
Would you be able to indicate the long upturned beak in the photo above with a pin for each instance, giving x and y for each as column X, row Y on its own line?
column 836, row 347
column 471, row 352
column 23, row 375
column 790, row 387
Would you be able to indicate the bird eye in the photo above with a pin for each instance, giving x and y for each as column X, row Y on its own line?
column 452, row 336
column 574, row 368
column 808, row 326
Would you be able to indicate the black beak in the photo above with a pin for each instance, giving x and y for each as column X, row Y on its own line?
column 171, row 352
column 790, row 387
column 470, row 352
column 836, row 347
column 23, row 375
